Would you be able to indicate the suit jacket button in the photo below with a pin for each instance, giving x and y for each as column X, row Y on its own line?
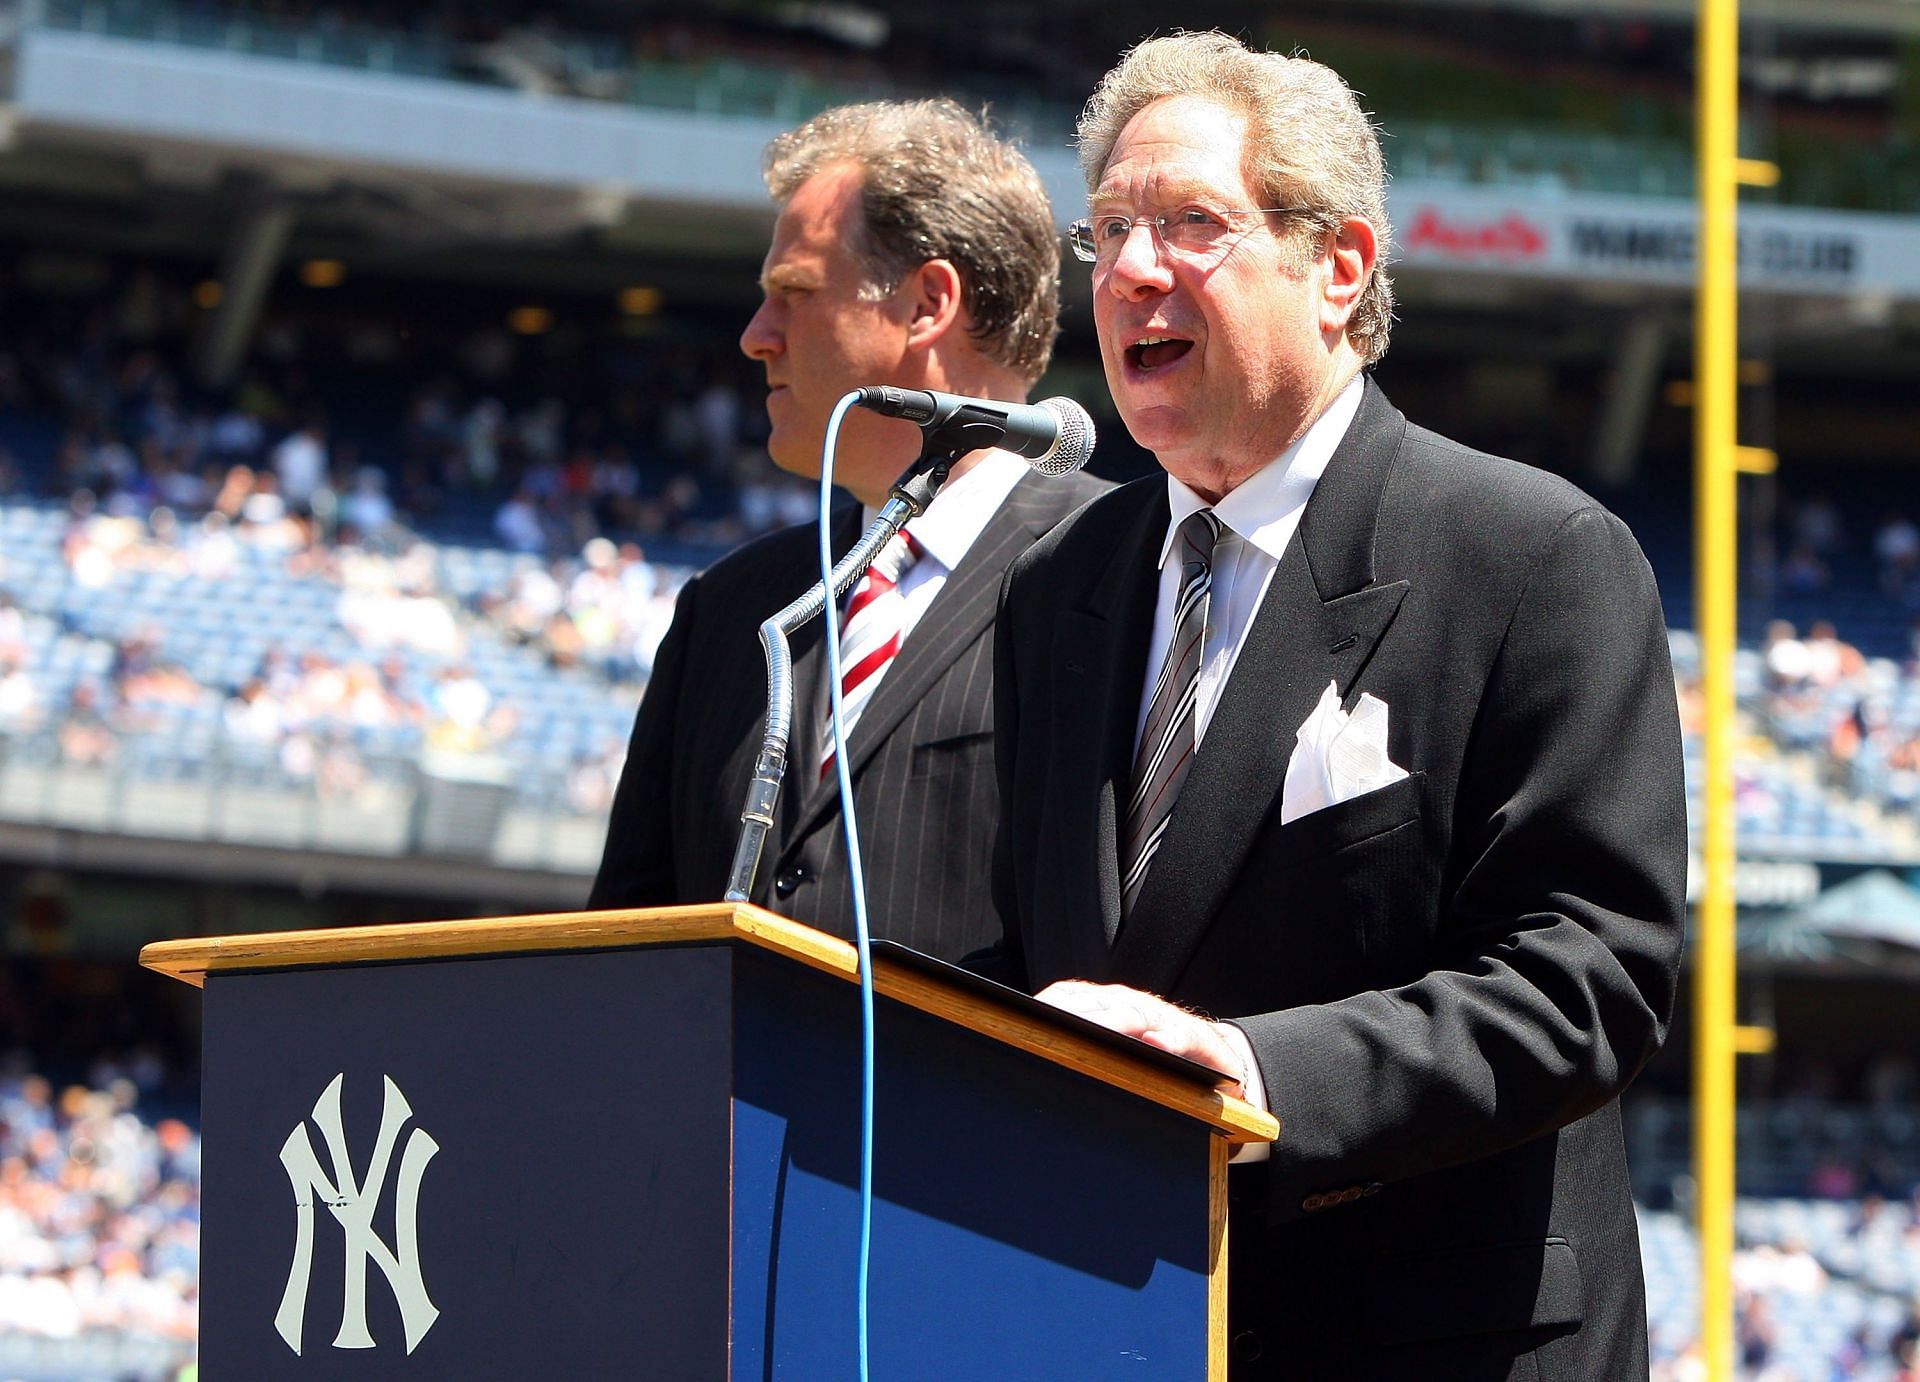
column 787, row 882
column 1247, row 1346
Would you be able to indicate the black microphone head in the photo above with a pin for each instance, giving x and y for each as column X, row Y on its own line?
column 1074, row 445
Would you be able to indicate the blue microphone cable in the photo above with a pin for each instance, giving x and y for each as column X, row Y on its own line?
column 863, row 942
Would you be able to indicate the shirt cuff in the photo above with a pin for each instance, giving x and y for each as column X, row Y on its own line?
column 1253, row 1090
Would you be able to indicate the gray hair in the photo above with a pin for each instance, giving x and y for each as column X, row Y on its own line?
column 937, row 184
column 1309, row 144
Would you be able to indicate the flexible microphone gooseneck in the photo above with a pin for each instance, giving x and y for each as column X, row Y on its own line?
column 1054, row 436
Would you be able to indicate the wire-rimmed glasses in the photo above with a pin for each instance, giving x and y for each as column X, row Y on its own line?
column 1192, row 230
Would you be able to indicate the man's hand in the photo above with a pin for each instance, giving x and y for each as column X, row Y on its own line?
column 1153, row 1020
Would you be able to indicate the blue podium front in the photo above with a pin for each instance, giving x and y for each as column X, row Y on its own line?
column 626, row 1145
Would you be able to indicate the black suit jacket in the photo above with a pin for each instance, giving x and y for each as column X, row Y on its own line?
column 921, row 754
column 1448, row 981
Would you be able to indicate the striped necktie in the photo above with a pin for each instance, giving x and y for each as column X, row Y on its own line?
column 1167, row 740
column 870, row 636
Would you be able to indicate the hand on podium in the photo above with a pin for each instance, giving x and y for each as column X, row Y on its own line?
column 1158, row 1023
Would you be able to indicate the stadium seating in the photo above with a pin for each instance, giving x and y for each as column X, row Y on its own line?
column 1504, row 127
column 191, row 765
column 558, row 720
column 1836, row 1289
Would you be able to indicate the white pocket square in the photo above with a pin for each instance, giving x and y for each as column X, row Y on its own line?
column 1338, row 755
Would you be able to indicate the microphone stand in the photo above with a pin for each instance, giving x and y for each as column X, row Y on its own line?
column 907, row 500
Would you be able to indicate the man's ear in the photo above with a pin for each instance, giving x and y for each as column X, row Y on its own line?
column 1352, row 251
column 937, row 305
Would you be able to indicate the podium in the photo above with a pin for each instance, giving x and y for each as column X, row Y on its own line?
column 625, row 1145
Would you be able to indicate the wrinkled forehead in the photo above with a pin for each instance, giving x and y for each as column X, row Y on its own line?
column 1176, row 150
column 1158, row 195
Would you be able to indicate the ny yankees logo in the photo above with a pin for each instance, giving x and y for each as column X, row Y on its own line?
column 353, row 1205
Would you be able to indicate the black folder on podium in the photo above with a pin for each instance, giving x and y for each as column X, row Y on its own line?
column 625, row 1145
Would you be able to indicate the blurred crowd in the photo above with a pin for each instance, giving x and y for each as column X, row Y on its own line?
column 456, row 452
column 1863, row 713
column 350, row 430
column 1803, row 1311
column 1821, row 539
column 406, row 684
column 1756, row 1333
column 99, row 1207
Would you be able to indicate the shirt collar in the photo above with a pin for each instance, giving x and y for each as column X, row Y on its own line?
column 964, row 507
column 1262, row 509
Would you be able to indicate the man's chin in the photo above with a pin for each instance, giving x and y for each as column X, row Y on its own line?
column 796, row 458
column 1157, row 427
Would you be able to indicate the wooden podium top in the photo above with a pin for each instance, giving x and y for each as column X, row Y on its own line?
column 1044, row 1034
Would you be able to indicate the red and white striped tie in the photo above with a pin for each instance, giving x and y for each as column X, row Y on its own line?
column 870, row 637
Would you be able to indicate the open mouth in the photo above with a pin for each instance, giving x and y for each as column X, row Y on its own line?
column 1150, row 353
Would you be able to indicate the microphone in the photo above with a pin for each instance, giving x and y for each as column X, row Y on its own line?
column 1055, row 435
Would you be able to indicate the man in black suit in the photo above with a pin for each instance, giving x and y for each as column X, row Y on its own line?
column 913, row 249
column 1372, row 802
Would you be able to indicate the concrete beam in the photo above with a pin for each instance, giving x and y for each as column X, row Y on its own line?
column 246, row 272
column 1622, row 429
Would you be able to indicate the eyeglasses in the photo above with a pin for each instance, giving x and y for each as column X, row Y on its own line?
column 1192, row 230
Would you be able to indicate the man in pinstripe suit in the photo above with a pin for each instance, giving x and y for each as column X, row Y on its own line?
column 912, row 249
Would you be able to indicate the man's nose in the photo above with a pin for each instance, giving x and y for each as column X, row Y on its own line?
column 761, row 339
column 1140, row 266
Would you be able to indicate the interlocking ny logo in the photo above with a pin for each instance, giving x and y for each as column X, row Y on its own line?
column 353, row 1205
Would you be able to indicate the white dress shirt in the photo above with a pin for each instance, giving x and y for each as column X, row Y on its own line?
column 951, row 525
column 1258, row 519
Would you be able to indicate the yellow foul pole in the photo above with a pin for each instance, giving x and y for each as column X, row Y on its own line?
column 1716, row 351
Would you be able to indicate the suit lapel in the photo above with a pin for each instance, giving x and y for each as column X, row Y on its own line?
column 961, row 612
column 804, row 787
column 959, row 615
column 1321, row 620
column 1101, row 664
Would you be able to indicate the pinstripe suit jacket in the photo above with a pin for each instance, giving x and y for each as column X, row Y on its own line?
column 921, row 754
